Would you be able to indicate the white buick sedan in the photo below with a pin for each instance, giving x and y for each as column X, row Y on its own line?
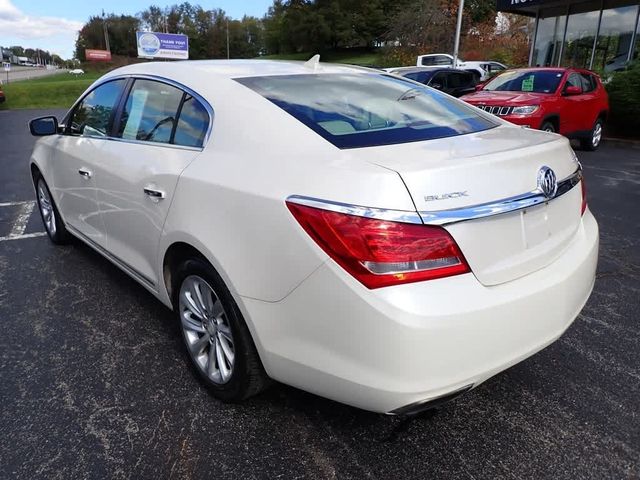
column 345, row 231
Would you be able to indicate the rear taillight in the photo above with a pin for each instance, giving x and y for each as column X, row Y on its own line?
column 583, row 189
column 381, row 253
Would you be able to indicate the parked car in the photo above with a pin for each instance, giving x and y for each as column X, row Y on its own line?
column 449, row 80
column 76, row 71
column 481, row 69
column 568, row 101
column 338, row 229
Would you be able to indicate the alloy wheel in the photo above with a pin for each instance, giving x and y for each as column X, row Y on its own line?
column 596, row 135
column 46, row 208
column 206, row 329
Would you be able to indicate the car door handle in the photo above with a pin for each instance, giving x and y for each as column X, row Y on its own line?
column 84, row 173
column 153, row 193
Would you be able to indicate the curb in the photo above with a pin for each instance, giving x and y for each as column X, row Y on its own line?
column 622, row 142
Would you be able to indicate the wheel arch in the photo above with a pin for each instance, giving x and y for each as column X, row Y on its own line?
column 553, row 118
column 181, row 249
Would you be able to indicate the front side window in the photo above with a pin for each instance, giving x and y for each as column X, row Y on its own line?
column 93, row 115
column 353, row 110
column 574, row 80
column 536, row 81
column 150, row 113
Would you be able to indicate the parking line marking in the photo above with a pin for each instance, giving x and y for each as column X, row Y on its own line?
column 20, row 223
column 26, row 235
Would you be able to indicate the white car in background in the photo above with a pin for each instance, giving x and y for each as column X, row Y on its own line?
column 482, row 69
column 76, row 71
column 344, row 231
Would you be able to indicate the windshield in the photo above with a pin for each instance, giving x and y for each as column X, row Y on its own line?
column 542, row 81
column 354, row 110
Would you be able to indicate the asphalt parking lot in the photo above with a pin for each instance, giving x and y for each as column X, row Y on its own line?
column 94, row 382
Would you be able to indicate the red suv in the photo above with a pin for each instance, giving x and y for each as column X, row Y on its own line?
column 1, row 94
column 569, row 101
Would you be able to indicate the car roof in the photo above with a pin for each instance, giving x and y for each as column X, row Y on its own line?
column 233, row 68
column 425, row 69
column 552, row 69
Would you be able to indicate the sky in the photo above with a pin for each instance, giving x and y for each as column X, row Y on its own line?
column 53, row 24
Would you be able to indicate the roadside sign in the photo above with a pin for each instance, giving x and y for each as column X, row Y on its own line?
column 162, row 45
column 97, row 55
column 7, row 67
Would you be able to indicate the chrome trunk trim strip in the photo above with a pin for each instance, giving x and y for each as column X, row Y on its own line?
column 445, row 217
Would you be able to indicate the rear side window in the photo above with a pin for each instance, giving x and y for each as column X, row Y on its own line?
column 353, row 110
column 588, row 82
column 150, row 113
column 436, row 60
column 422, row 77
column 93, row 115
column 193, row 123
column 158, row 112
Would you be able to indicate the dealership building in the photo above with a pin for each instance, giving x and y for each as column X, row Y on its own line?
column 601, row 35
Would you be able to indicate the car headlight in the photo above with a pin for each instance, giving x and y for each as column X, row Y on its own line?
column 527, row 110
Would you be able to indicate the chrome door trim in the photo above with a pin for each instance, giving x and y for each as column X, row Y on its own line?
column 445, row 217
column 132, row 272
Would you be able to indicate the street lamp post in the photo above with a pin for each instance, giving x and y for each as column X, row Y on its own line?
column 456, row 43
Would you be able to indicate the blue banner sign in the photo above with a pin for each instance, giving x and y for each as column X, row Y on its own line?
column 162, row 45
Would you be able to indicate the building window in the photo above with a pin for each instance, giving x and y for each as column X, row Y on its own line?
column 581, row 32
column 548, row 40
column 614, row 40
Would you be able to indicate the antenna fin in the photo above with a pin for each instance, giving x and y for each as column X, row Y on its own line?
column 313, row 63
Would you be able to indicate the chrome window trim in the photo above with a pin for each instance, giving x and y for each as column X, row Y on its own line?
column 207, row 106
column 445, row 217
column 403, row 216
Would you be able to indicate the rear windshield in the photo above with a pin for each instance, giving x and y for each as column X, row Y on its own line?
column 353, row 110
column 545, row 81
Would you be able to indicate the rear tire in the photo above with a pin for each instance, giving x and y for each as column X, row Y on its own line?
column 548, row 127
column 595, row 138
column 218, row 342
column 51, row 218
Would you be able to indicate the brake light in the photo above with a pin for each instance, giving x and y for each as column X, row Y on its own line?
column 583, row 189
column 381, row 253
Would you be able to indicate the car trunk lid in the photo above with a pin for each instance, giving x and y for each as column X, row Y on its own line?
column 450, row 174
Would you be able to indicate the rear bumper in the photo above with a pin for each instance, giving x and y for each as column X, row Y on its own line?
column 386, row 349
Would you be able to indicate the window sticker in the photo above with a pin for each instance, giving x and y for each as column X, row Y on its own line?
column 138, row 100
column 527, row 84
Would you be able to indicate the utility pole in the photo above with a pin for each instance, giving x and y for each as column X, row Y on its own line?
column 456, row 43
column 106, row 32
column 228, row 38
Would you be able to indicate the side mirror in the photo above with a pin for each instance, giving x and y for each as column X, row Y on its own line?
column 43, row 126
column 572, row 90
column 479, row 87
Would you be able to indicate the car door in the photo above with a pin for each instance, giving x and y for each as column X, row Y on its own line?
column 570, row 111
column 76, row 154
column 590, row 103
column 160, row 130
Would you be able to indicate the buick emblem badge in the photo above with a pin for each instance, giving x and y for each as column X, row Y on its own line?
column 547, row 182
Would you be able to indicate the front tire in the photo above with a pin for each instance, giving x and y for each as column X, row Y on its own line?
column 595, row 138
column 548, row 127
column 51, row 218
column 216, row 337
